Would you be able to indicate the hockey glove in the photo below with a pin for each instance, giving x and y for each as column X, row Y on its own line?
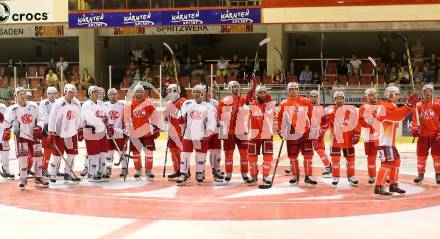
column 415, row 130
column 412, row 100
column 7, row 134
column 156, row 132
column 51, row 138
column 80, row 134
column 110, row 130
column 37, row 132
column 355, row 139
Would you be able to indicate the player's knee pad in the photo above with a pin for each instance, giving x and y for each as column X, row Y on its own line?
column 267, row 147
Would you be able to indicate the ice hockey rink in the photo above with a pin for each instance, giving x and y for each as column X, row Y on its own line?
column 160, row 209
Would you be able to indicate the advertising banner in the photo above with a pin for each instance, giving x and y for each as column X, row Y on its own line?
column 40, row 30
column 26, row 11
column 165, row 18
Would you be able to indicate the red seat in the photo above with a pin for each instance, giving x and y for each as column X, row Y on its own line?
column 32, row 71
column 184, row 81
column 220, row 79
column 367, row 68
column 292, row 79
column 35, row 83
column 366, row 80
column 330, row 70
column 37, row 95
column 267, row 80
column 353, row 80
column 330, row 80
column 341, row 80
column 381, row 79
column 195, row 80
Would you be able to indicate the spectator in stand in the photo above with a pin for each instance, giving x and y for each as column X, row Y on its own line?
column 404, row 61
column 149, row 78
column 385, row 46
column 222, row 67
column 381, row 66
column 306, row 76
column 166, row 66
column 149, row 54
column 393, row 61
column 21, row 69
column 126, row 80
column 137, row 75
column 341, row 67
column 51, row 65
column 178, row 53
column 316, row 79
column 403, row 75
column 5, row 90
column 86, row 80
column 354, row 66
column 247, row 68
column 62, row 64
column 187, row 68
column 418, row 74
column 278, row 77
column 433, row 65
column 235, row 65
column 52, row 79
column 75, row 79
column 200, row 68
column 137, row 52
column 393, row 75
column 418, row 51
column 428, row 77
column 9, row 70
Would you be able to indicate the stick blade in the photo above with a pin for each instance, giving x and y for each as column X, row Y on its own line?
column 372, row 61
column 265, row 41
column 168, row 47
column 264, row 186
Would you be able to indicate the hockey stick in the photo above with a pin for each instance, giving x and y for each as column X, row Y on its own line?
column 165, row 163
column 128, row 158
column 121, row 153
column 64, row 159
column 282, row 63
column 274, row 170
column 174, row 62
column 375, row 71
column 405, row 40
column 262, row 43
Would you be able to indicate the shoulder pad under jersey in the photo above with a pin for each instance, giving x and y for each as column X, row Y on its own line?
column 47, row 102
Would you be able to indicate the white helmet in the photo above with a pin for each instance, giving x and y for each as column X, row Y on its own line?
column 338, row 93
column 199, row 87
column 69, row 88
column 369, row 91
column 292, row 85
column 51, row 90
column 260, row 88
column 91, row 89
column 313, row 93
column 390, row 89
column 101, row 90
column 232, row 83
column 139, row 87
column 428, row 86
column 173, row 88
column 112, row 91
column 28, row 94
column 18, row 89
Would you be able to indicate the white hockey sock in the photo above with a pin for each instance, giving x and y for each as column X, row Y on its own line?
column 71, row 164
column 54, row 165
column 184, row 160
column 86, row 162
column 214, row 158
column 200, row 162
column 109, row 159
column 93, row 166
column 38, row 166
column 102, row 162
column 5, row 160
column 23, row 166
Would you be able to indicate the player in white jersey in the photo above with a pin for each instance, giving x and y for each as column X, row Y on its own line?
column 115, row 110
column 214, row 142
column 65, row 132
column 5, row 135
column 199, row 124
column 45, row 108
column 101, row 94
column 24, row 117
column 95, row 123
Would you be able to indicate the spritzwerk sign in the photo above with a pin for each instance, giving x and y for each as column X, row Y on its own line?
column 25, row 11
column 165, row 18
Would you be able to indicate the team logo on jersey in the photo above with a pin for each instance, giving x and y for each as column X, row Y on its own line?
column 99, row 113
column 114, row 115
column 70, row 115
column 139, row 113
column 196, row 115
column 26, row 118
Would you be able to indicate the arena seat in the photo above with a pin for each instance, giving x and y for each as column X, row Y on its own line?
column 292, row 78
column 341, row 80
column 330, row 80
column 32, row 71
column 366, row 80
column 353, row 80
column 267, row 80
column 42, row 71
column 220, row 79
column 37, row 95
column 367, row 68
column 330, row 70
column 35, row 83
column 184, row 81
column 195, row 80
